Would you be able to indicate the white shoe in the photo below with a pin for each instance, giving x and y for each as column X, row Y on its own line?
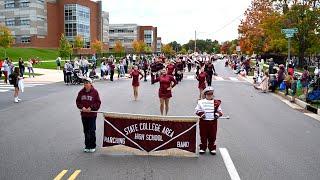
column 19, row 99
column 86, row 150
column 202, row 151
column 16, row 100
column 213, row 152
column 92, row 150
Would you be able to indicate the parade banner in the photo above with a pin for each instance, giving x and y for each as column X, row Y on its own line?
column 151, row 135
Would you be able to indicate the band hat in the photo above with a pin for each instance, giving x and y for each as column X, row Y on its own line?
column 207, row 89
column 88, row 80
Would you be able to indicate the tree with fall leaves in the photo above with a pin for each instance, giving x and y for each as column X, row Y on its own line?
column 252, row 35
column 97, row 46
column 168, row 50
column 118, row 48
column 6, row 38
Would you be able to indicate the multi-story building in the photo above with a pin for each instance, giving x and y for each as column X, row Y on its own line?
column 159, row 44
column 148, row 34
column 40, row 23
column 125, row 33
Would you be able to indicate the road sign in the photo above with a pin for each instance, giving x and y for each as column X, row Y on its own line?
column 238, row 48
column 289, row 31
column 289, row 35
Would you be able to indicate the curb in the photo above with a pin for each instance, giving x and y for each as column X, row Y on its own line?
column 299, row 102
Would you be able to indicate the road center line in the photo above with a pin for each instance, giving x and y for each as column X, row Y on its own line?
column 60, row 175
column 229, row 164
column 74, row 175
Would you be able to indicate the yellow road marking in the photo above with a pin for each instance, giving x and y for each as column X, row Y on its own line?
column 74, row 175
column 60, row 175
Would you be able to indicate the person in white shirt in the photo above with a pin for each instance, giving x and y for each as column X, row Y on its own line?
column 30, row 68
column 209, row 111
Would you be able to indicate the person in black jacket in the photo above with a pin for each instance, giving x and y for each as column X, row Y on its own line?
column 21, row 67
column 14, row 80
column 210, row 70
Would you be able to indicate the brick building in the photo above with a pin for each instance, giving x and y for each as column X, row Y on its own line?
column 40, row 23
column 127, row 33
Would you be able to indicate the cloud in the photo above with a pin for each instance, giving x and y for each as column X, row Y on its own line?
column 177, row 20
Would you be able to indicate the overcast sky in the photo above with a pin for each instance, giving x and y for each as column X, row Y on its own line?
column 178, row 19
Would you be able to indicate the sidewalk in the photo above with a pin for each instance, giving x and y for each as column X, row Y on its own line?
column 297, row 102
column 49, row 76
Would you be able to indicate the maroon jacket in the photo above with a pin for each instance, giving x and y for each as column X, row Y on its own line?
column 88, row 99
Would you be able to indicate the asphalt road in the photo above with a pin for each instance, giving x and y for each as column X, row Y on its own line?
column 266, row 139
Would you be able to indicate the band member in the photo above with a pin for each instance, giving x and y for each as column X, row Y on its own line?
column 209, row 111
column 135, row 73
column 189, row 64
column 88, row 100
column 170, row 68
column 145, row 67
column 167, row 82
column 202, row 81
column 179, row 70
column 209, row 69
column 153, row 69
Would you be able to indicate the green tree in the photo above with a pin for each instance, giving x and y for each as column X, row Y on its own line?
column 148, row 49
column 78, row 42
column 6, row 38
column 175, row 46
column 168, row 50
column 306, row 18
column 65, row 48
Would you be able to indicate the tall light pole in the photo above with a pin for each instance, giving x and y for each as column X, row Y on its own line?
column 195, row 41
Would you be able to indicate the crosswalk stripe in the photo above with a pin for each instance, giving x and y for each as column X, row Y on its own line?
column 218, row 78
column 190, row 77
column 233, row 79
column 3, row 90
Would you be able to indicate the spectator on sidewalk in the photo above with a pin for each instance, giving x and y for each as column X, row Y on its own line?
column 271, row 66
column 294, row 88
column 58, row 62
column 288, row 80
column 280, row 75
column 1, row 68
column 6, row 71
column 264, row 84
column 30, row 68
column 88, row 100
column 21, row 67
column 68, row 69
column 305, row 80
column 94, row 61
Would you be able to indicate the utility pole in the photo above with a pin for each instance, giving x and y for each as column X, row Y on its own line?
column 195, row 41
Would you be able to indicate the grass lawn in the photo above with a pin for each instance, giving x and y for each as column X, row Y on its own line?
column 47, row 65
column 26, row 53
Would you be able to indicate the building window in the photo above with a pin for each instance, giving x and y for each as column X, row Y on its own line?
column 10, row 22
column 25, row 22
column 77, row 22
column 9, row 4
column 111, row 31
column 24, row 3
column 25, row 39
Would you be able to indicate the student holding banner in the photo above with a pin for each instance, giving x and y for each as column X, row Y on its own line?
column 135, row 73
column 209, row 111
column 167, row 82
column 88, row 100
